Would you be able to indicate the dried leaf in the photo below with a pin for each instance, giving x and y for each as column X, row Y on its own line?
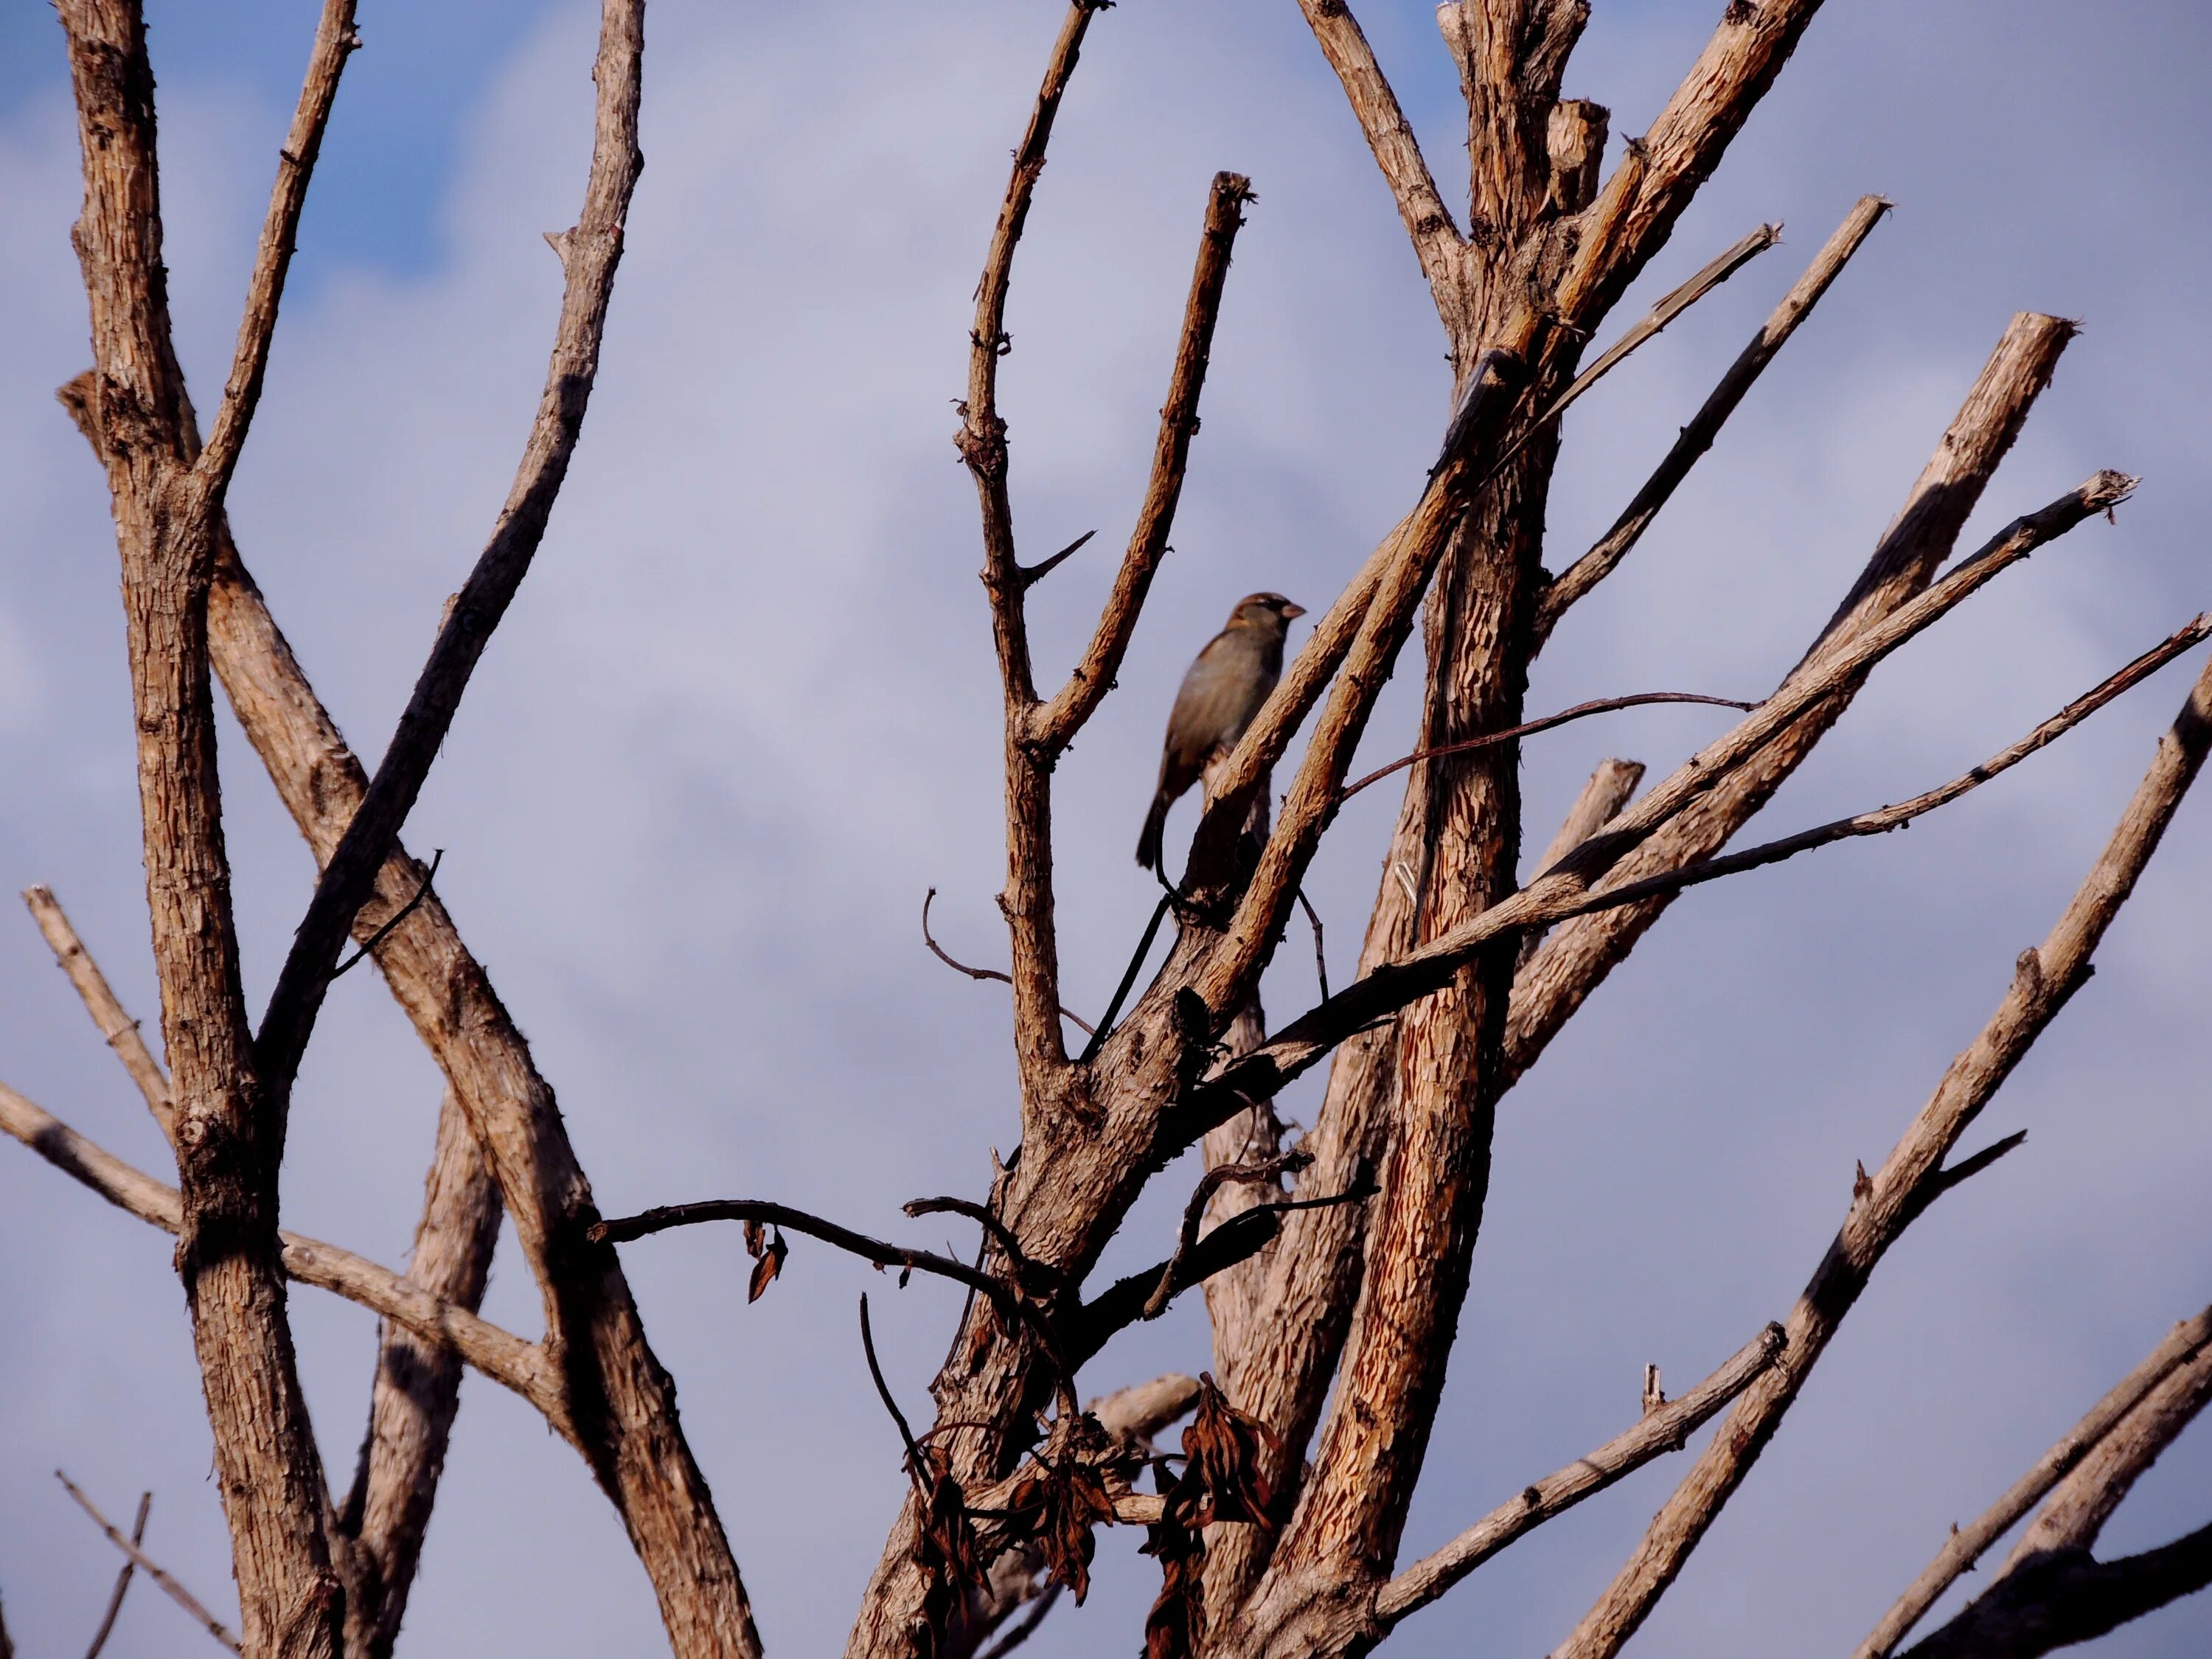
column 944, row 1547
column 1060, row 1504
column 756, row 1235
column 1175, row 1626
column 1221, row 1477
column 769, row 1264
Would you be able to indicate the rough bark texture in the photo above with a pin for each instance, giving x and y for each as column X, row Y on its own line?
column 229, row 1134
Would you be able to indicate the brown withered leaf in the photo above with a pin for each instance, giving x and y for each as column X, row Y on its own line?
column 768, row 1267
column 1059, row 1504
column 756, row 1235
column 1221, row 1478
column 944, row 1547
column 1175, row 1626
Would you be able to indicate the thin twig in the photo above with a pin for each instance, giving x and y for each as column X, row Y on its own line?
column 121, row 1032
column 437, row 857
column 121, row 1578
column 1025, row 1627
column 1193, row 1214
column 1658, row 1431
column 1723, row 266
column 1128, row 980
column 176, row 1591
column 1580, row 711
column 622, row 1229
column 914, row 1464
column 983, row 1216
column 939, row 952
column 1697, row 437
column 335, row 42
column 1320, row 956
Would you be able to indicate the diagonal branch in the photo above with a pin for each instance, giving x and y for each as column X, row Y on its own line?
column 2187, row 1342
column 117, row 1027
column 1055, row 726
column 176, row 1591
column 1697, row 437
column 1437, row 239
column 501, row 1355
column 1657, row 1433
column 335, row 42
column 1886, row 1205
column 122, row 1580
column 589, row 252
column 1577, row 959
column 1040, row 1045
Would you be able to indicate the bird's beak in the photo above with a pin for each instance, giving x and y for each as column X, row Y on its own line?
column 1292, row 612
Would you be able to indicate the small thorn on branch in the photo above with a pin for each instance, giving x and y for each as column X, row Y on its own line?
column 1029, row 575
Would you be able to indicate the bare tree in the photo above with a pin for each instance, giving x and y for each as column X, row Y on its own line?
column 1334, row 1266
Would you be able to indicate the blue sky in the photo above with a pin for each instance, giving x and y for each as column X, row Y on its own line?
column 742, row 716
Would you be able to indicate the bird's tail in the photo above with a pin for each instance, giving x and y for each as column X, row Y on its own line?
column 1155, row 822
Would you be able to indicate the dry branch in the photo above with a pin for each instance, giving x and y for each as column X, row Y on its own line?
column 1437, row 241
column 1697, row 437
column 2185, row 1343
column 1654, row 1435
column 415, row 1393
column 1576, row 959
column 613, row 1388
column 116, row 1029
column 335, row 41
column 122, row 1579
column 1898, row 1193
column 2058, row 1600
column 1055, row 726
column 589, row 252
column 501, row 1355
column 176, row 1591
column 228, row 1124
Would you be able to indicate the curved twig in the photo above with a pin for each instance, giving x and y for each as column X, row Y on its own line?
column 123, row 1578
column 1580, row 711
column 437, row 857
column 1193, row 1214
column 661, row 1217
column 957, row 967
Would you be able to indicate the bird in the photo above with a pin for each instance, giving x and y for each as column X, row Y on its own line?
column 1221, row 692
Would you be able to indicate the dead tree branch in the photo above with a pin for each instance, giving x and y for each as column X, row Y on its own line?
column 1697, row 437
column 116, row 1029
column 2043, row 981
column 176, row 1591
column 1054, row 725
column 2185, row 1343
column 1653, row 1434
column 2057, row 1600
column 589, row 252
column 123, row 1578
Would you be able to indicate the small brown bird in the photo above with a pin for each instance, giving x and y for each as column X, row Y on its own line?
column 1223, row 689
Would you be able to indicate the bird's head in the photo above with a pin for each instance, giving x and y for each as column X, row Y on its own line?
column 1270, row 612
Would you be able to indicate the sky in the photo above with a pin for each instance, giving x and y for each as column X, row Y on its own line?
column 745, row 713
